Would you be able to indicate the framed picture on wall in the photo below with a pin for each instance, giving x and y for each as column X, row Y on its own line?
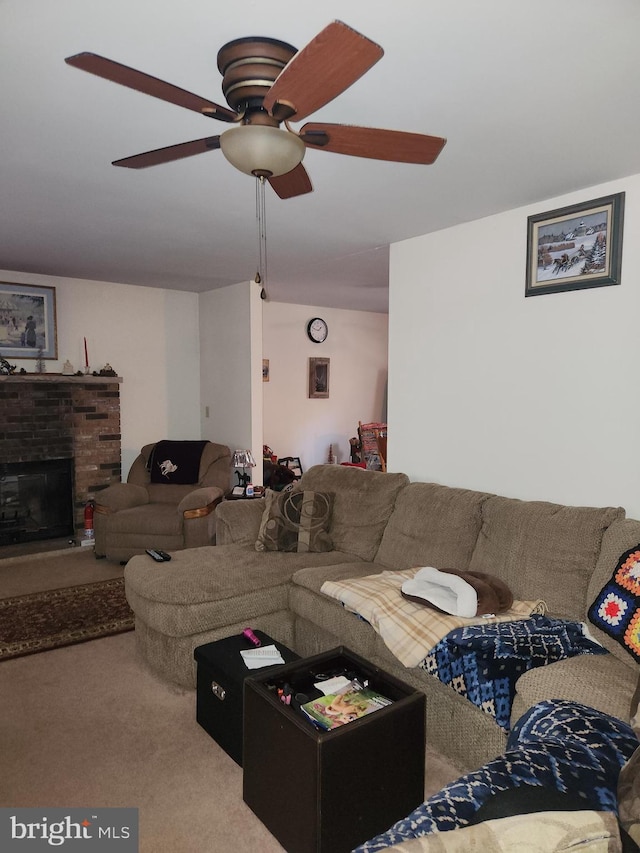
column 27, row 321
column 319, row 377
column 575, row 247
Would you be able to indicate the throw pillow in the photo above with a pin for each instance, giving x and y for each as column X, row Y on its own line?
column 616, row 610
column 296, row 521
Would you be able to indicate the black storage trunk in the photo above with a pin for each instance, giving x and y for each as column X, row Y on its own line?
column 220, row 678
column 328, row 791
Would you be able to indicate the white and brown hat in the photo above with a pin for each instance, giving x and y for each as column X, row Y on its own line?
column 457, row 592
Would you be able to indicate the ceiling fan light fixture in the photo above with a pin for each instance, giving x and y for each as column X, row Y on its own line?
column 262, row 151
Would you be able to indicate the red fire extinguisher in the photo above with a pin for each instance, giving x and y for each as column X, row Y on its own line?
column 88, row 519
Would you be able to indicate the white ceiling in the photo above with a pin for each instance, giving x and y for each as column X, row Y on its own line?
column 535, row 99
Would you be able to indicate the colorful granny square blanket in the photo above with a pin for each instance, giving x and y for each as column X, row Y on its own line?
column 616, row 610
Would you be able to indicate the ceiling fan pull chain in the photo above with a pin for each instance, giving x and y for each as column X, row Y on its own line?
column 261, row 217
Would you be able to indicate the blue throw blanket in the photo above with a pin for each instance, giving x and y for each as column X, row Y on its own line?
column 483, row 662
column 559, row 745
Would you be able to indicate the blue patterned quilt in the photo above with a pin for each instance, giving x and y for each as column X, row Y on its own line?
column 483, row 662
column 563, row 746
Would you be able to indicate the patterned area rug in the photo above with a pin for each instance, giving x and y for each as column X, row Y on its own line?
column 61, row 617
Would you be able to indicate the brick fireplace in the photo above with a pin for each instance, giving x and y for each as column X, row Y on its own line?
column 50, row 416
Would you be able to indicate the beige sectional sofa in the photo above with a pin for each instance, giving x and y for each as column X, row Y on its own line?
column 382, row 522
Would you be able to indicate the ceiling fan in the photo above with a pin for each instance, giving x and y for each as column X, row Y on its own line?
column 266, row 83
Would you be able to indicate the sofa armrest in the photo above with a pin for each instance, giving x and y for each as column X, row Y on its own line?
column 238, row 521
column 120, row 496
column 200, row 502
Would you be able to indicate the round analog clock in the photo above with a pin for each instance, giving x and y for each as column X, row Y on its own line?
column 317, row 330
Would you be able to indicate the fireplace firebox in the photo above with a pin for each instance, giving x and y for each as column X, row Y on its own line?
column 36, row 500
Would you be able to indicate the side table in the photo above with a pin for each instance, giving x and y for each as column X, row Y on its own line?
column 221, row 672
column 328, row 791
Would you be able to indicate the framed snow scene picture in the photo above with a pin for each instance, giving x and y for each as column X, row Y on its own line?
column 575, row 247
column 27, row 321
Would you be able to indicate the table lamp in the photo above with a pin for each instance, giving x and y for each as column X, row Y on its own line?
column 242, row 459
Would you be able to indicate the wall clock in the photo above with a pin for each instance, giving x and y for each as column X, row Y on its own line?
column 317, row 330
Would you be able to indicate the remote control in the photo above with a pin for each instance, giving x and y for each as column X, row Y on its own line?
column 158, row 556
column 166, row 557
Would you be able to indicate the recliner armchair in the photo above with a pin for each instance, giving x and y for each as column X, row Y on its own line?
column 130, row 517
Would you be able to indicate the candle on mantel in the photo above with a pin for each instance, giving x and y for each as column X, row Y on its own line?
column 86, row 354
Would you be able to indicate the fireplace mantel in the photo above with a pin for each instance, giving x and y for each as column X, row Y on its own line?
column 59, row 377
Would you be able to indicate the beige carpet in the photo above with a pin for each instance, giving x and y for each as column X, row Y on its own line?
column 51, row 570
column 89, row 725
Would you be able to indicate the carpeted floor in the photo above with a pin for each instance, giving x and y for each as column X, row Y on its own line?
column 22, row 574
column 89, row 725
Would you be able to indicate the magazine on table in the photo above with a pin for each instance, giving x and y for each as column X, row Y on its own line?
column 336, row 709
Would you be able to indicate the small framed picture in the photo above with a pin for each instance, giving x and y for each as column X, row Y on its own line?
column 27, row 321
column 319, row 378
column 265, row 369
column 575, row 247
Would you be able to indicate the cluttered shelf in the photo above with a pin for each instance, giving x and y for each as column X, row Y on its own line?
column 370, row 447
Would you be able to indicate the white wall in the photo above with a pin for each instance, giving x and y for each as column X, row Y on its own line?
column 534, row 398
column 225, row 358
column 295, row 425
column 231, row 368
column 150, row 338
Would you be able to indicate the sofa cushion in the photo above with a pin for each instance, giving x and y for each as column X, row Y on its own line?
column 432, row 525
column 363, row 502
column 313, row 577
column 325, row 614
column 587, row 679
column 295, row 521
column 619, row 538
column 206, row 588
column 542, row 549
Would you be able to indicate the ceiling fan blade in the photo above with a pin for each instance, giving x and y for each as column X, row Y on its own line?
column 125, row 76
column 171, row 152
column 296, row 182
column 329, row 64
column 371, row 142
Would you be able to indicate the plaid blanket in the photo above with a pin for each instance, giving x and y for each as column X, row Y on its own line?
column 409, row 630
